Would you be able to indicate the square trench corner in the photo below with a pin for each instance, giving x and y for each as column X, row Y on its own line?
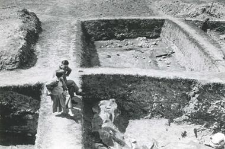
column 159, row 44
column 151, row 110
column 19, row 109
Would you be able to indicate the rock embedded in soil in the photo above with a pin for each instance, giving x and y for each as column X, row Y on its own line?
column 102, row 124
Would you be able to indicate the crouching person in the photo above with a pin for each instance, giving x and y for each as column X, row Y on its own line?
column 57, row 89
column 73, row 89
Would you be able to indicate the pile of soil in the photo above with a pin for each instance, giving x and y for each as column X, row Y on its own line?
column 17, row 44
column 196, row 9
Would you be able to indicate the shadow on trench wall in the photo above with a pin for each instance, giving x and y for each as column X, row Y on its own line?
column 19, row 107
column 141, row 96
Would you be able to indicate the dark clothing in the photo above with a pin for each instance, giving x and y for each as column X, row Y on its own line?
column 205, row 26
column 54, row 85
column 72, row 88
column 71, row 85
column 57, row 87
column 67, row 72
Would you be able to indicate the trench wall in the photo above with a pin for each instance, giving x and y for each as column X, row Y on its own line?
column 122, row 28
column 189, row 52
column 19, row 114
column 218, row 26
column 140, row 96
column 93, row 30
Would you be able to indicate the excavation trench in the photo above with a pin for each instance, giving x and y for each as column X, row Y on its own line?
column 216, row 31
column 19, row 107
column 159, row 44
column 165, row 110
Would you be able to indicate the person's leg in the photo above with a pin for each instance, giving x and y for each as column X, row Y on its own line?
column 62, row 103
column 68, row 103
column 72, row 87
column 54, row 104
column 70, row 107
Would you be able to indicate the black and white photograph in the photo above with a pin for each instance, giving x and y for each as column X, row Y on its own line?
column 112, row 74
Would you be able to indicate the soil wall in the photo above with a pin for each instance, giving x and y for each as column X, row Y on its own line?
column 188, row 51
column 218, row 26
column 138, row 97
column 122, row 28
column 19, row 114
column 93, row 30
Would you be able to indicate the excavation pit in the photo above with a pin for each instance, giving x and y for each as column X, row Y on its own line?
column 19, row 107
column 165, row 110
column 159, row 44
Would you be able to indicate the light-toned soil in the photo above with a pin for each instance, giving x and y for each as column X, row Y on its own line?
column 199, row 9
column 167, row 137
column 195, row 9
column 137, row 53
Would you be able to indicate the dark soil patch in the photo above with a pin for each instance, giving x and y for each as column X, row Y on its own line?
column 19, row 114
column 145, row 97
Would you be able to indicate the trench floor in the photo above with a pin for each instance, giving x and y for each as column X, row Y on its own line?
column 167, row 137
column 137, row 53
column 57, row 130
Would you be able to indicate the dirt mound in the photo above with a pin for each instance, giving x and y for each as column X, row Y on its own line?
column 17, row 45
column 180, row 8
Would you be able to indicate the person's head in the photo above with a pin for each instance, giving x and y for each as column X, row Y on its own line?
column 207, row 19
column 64, row 64
column 59, row 74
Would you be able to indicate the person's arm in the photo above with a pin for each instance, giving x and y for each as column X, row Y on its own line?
column 68, row 71
column 64, row 85
column 51, row 85
column 77, row 90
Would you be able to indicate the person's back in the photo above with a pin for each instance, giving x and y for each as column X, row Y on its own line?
column 56, row 88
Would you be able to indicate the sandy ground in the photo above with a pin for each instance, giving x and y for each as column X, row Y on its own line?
column 167, row 137
column 137, row 53
column 199, row 9
column 56, row 43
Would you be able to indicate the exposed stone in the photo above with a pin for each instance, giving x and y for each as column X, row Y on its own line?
column 102, row 122
column 217, row 141
column 100, row 146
